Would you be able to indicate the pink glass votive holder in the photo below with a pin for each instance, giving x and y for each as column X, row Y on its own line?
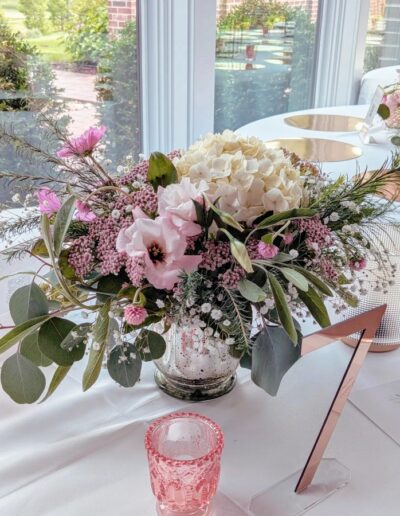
column 184, row 452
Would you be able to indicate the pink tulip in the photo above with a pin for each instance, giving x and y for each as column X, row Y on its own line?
column 267, row 250
column 84, row 144
column 49, row 203
column 83, row 212
column 161, row 246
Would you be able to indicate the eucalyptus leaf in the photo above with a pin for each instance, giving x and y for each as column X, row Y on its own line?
column 109, row 286
column 29, row 347
column 395, row 140
column 316, row 306
column 294, row 277
column 52, row 334
column 273, row 354
column 282, row 308
column 383, row 111
column 124, row 364
column 161, row 171
column 251, row 291
column 62, row 222
column 59, row 374
column 21, row 379
column 76, row 336
column 103, row 335
column 27, row 303
column 20, row 331
column 151, row 345
column 294, row 213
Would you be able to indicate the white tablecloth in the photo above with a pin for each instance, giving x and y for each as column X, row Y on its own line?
column 82, row 454
column 379, row 77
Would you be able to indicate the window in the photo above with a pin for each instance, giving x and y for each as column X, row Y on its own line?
column 265, row 57
column 73, row 59
column 383, row 38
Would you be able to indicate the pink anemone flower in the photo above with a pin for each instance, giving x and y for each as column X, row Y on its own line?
column 161, row 246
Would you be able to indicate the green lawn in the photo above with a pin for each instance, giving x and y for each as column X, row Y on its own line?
column 50, row 46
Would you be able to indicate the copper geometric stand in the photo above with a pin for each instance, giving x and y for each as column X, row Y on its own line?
column 367, row 324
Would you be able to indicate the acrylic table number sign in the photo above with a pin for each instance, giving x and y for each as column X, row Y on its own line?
column 296, row 494
column 365, row 130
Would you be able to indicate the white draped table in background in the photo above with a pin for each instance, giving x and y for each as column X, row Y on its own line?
column 82, row 454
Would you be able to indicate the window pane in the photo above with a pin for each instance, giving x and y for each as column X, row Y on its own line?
column 71, row 59
column 383, row 38
column 264, row 59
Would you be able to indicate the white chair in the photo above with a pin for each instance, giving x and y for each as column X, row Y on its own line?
column 378, row 77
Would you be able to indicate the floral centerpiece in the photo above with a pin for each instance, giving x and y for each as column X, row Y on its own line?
column 197, row 260
column 389, row 111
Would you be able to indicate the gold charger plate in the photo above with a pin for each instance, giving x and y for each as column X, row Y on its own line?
column 336, row 123
column 317, row 149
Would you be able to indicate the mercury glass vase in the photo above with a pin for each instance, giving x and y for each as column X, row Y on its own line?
column 184, row 452
column 194, row 366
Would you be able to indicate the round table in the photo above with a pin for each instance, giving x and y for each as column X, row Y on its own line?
column 82, row 454
column 373, row 156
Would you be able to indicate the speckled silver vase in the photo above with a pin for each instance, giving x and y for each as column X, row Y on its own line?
column 195, row 367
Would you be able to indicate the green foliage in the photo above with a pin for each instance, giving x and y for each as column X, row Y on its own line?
column 59, row 13
column 282, row 308
column 59, row 374
column 150, row 345
column 316, row 306
column 124, row 364
column 20, row 331
column 87, row 30
column 118, row 86
column 35, row 13
column 51, row 336
column 62, row 222
column 162, row 171
column 251, row 291
column 383, row 111
column 21, row 379
column 103, row 335
column 27, row 303
column 239, row 251
column 273, row 354
column 254, row 14
column 29, row 347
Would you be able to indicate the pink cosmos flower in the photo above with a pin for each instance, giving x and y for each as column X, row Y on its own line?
column 83, row 144
column 83, row 212
column 162, row 248
column 135, row 315
column 358, row 265
column 176, row 203
column 288, row 238
column 49, row 203
column 267, row 250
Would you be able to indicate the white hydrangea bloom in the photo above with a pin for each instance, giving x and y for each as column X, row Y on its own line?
column 248, row 177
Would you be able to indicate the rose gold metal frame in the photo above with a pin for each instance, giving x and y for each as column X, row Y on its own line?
column 366, row 323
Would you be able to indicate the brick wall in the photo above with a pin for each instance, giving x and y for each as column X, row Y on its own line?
column 120, row 12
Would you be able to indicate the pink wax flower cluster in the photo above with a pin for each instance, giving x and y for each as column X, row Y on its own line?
column 392, row 101
column 358, row 265
column 49, row 203
column 84, row 144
